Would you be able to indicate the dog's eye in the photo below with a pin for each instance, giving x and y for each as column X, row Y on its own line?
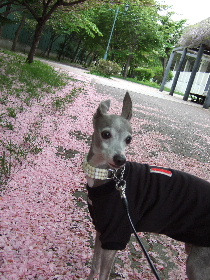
column 128, row 140
column 106, row 134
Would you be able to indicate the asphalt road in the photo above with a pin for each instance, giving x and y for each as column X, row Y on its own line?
column 188, row 123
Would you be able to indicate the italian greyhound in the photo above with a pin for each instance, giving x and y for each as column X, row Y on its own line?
column 160, row 200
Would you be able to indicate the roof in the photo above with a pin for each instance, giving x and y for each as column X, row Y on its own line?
column 196, row 35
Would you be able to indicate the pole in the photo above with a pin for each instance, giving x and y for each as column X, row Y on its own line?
column 167, row 70
column 178, row 71
column 194, row 71
column 110, row 37
column 206, row 104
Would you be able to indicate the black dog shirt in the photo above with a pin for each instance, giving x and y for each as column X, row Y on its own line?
column 163, row 201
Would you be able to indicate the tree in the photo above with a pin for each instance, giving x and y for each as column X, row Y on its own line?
column 48, row 8
column 171, row 32
column 69, row 25
column 19, row 29
column 134, row 43
column 42, row 10
column 136, row 33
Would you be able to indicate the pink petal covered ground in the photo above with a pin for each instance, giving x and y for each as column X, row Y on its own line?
column 46, row 231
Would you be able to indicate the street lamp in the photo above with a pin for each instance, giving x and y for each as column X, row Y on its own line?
column 113, row 26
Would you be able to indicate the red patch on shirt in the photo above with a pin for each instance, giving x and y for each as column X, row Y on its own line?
column 161, row 170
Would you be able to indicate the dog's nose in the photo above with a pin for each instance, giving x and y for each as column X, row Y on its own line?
column 119, row 160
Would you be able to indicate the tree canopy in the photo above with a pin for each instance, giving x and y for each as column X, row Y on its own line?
column 141, row 35
column 171, row 32
column 42, row 10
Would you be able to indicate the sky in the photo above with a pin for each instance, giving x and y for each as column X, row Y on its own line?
column 193, row 11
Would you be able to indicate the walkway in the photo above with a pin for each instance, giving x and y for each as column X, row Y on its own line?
column 121, row 84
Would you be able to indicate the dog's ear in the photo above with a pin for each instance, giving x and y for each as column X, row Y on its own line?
column 127, row 107
column 103, row 108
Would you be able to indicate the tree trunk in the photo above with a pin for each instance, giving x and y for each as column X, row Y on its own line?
column 87, row 58
column 77, row 50
column 93, row 60
column 127, row 66
column 62, row 47
column 48, row 49
column 163, row 61
column 37, row 36
column 51, row 44
column 17, row 33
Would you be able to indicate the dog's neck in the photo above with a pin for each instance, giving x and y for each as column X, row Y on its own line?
column 94, row 161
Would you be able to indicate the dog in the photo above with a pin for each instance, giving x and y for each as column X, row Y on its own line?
column 161, row 200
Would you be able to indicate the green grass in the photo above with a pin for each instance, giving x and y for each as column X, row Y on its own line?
column 5, row 168
column 134, row 80
column 145, row 83
column 59, row 103
column 27, row 81
column 179, row 93
column 148, row 83
column 11, row 112
column 99, row 74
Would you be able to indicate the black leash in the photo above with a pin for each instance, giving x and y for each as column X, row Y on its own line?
column 120, row 186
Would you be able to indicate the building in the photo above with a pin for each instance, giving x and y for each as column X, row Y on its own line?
column 190, row 63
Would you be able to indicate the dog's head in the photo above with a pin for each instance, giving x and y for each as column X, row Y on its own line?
column 112, row 134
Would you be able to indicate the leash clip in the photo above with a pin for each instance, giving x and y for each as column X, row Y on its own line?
column 121, row 183
column 112, row 174
column 121, row 186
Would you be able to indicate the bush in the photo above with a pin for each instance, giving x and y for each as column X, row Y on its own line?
column 106, row 68
column 158, row 75
column 143, row 74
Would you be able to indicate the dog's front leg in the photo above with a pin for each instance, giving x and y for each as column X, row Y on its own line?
column 102, row 261
column 96, row 260
column 107, row 259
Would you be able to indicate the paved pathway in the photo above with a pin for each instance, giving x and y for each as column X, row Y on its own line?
column 122, row 84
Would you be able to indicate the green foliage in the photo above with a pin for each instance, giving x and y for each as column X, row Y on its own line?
column 146, row 83
column 155, row 73
column 106, row 68
column 4, row 20
column 5, row 168
column 136, row 34
column 27, row 81
column 80, row 22
column 5, row 123
column 143, row 74
column 59, row 103
column 42, row 72
column 171, row 32
column 13, row 151
column 11, row 112
column 170, row 76
column 159, row 74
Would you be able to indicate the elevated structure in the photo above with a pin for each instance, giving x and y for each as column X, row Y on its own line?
column 192, row 57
